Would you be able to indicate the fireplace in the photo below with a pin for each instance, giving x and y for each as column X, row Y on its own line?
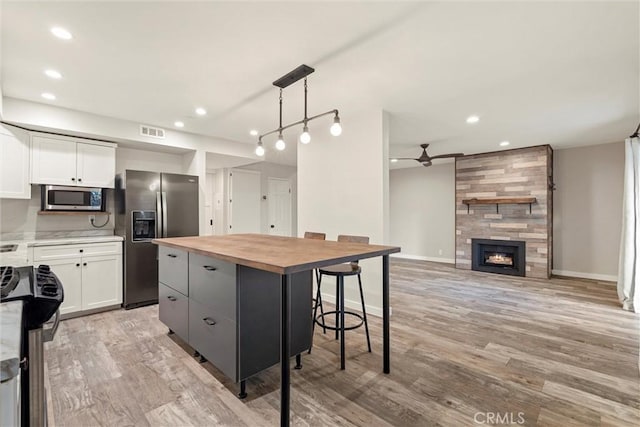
column 498, row 256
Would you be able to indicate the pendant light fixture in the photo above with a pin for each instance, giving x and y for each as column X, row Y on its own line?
column 305, row 137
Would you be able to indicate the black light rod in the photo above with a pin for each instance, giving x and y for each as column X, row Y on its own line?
column 298, row 123
column 293, row 76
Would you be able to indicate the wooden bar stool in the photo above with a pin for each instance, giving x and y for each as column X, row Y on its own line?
column 340, row 271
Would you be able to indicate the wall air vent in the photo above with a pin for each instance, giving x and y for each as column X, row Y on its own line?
column 151, row 131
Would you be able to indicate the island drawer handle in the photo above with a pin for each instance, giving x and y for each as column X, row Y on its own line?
column 170, row 298
column 209, row 321
column 209, row 268
column 172, row 255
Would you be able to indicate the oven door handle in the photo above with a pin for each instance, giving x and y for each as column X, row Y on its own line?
column 48, row 334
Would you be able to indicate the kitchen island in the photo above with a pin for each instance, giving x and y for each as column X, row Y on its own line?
column 260, row 258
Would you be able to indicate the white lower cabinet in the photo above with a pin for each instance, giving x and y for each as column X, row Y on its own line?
column 89, row 281
column 69, row 271
column 101, row 281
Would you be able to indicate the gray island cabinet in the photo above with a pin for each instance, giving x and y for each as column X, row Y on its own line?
column 265, row 266
column 230, row 313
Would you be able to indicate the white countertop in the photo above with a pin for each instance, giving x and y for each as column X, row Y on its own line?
column 20, row 256
column 10, row 336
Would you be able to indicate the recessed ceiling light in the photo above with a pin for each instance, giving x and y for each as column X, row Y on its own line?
column 201, row 111
column 61, row 33
column 504, row 143
column 49, row 96
column 178, row 124
column 394, row 160
column 473, row 119
column 253, row 132
column 53, row 74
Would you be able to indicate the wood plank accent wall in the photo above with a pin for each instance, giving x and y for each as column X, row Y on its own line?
column 524, row 172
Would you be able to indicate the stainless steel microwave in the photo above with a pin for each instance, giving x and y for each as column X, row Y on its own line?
column 61, row 198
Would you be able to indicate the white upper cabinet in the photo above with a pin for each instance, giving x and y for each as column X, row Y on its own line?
column 14, row 158
column 59, row 160
column 96, row 165
column 53, row 161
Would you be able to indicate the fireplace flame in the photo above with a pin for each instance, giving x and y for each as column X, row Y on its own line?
column 501, row 259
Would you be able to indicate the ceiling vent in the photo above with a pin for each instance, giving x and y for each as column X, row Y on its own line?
column 151, row 131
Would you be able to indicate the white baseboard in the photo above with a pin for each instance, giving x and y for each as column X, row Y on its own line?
column 356, row 305
column 581, row 275
column 424, row 258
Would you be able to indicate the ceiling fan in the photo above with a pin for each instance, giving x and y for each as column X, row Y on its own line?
column 425, row 159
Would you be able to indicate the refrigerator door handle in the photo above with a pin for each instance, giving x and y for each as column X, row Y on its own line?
column 164, row 214
column 159, row 215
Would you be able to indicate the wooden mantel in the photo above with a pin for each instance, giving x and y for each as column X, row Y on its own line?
column 499, row 201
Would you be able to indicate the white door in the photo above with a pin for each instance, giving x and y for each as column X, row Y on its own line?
column 69, row 271
column 101, row 284
column 53, row 161
column 279, row 199
column 14, row 158
column 244, row 201
column 96, row 165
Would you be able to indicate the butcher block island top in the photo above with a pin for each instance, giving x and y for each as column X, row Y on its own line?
column 277, row 254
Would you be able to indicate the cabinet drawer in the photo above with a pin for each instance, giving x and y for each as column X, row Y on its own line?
column 214, row 336
column 212, row 282
column 174, row 310
column 43, row 253
column 173, row 268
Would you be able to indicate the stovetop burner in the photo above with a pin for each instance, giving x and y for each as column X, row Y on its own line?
column 8, row 280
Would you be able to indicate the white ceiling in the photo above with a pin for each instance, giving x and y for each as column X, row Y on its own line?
column 559, row 73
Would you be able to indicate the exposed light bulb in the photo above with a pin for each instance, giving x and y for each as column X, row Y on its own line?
column 473, row 119
column 178, row 124
column 394, row 160
column 260, row 150
column 504, row 143
column 201, row 111
column 253, row 132
column 336, row 129
column 280, row 143
column 305, row 136
column 49, row 96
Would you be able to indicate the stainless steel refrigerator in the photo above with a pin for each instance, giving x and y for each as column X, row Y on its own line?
column 150, row 205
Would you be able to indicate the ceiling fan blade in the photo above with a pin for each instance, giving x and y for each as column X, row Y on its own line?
column 405, row 158
column 444, row 156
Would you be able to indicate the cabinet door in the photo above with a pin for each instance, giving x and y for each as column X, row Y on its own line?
column 96, row 165
column 69, row 271
column 53, row 161
column 101, row 281
column 14, row 158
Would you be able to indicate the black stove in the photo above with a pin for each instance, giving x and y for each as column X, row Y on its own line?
column 39, row 288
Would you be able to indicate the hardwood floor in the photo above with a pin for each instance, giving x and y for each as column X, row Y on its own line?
column 467, row 349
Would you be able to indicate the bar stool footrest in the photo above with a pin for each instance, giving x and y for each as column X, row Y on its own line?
column 323, row 324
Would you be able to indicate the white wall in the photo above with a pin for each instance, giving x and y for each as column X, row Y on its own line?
column 52, row 118
column 21, row 217
column 422, row 212
column 143, row 160
column 341, row 190
column 587, row 217
column 587, row 211
column 272, row 170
